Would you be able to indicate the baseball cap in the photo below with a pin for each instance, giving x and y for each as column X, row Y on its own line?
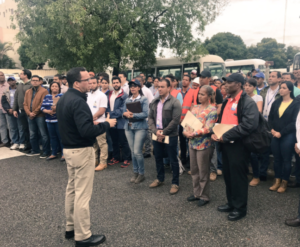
column 215, row 78
column 194, row 72
column 205, row 73
column 136, row 82
column 235, row 77
column 259, row 75
column 11, row 78
column 196, row 80
column 257, row 70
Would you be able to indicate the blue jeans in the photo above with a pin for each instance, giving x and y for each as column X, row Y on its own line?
column 109, row 141
column 136, row 139
column 160, row 149
column 37, row 125
column 283, row 150
column 55, row 140
column 264, row 160
column 23, row 128
column 13, row 128
column 3, row 127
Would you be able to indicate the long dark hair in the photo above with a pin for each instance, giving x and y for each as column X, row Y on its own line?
column 140, row 92
column 210, row 93
column 59, row 89
column 290, row 86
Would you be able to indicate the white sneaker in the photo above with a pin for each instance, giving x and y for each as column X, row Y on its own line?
column 15, row 146
column 22, row 146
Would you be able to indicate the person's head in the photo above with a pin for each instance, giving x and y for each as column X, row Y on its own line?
column 2, row 77
column 223, row 90
column 274, row 78
column 94, row 83
column 92, row 74
column 102, row 75
column 135, row 88
column 11, row 81
column 260, row 78
column 196, row 83
column 155, row 81
column 150, row 79
column 141, row 79
column 41, row 80
column 205, row 77
column 250, row 86
column 206, row 95
column 287, row 88
column 218, row 83
column 79, row 79
column 143, row 76
column 25, row 75
column 288, row 77
column 172, row 80
column 35, row 81
column 164, row 87
column 193, row 74
column 57, row 78
column 249, row 75
column 105, row 83
column 123, row 76
column 185, row 73
column 234, row 83
column 186, row 81
column 54, row 88
column 116, row 83
column 64, row 79
column 255, row 71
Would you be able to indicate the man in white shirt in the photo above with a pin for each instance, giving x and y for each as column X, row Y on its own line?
column 148, row 94
column 97, row 101
column 124, row 83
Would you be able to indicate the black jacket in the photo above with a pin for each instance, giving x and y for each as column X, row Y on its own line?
column 287, row 123
column 75, row 121
column 248, row 118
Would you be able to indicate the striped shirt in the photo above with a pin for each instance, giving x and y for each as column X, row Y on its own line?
column 46, row 105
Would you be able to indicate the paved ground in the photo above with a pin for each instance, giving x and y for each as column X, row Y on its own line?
column 32, row 210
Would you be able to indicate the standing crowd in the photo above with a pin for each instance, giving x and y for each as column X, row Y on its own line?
column 94, row 119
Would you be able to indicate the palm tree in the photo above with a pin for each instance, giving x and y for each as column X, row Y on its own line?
column 6, row 61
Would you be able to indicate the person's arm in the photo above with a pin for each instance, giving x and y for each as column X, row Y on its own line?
column 26, row 107
column 207, row 128
column 15, row 106
column 291, row 127
column 151, row 120
column 144, row 113
column 188, row 99
column 259, row 103
column 5, row 105
column 179, row 97
column 249, row 122
column 272, row 113
column 267, row 72
column 219, row 101
column 37, row 110
column 176, row 114
column 118, row 113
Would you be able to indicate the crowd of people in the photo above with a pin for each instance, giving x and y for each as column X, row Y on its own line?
column 118, row 121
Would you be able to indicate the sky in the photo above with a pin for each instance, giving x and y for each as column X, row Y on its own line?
column 254, row 20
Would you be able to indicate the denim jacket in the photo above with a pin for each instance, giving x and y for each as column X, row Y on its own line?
column 142, row 123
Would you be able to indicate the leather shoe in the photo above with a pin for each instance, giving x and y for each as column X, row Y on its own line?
column 69, row 234
column 236, row 215
column 192, row 198
column 293, row 222
column 94, row 240
column 147, row 155
column 51, row 158
column 225, row 208
column 202, row 203
column 293, row 185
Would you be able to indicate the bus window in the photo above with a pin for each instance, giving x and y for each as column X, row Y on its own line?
column 129, row 75
column 262, row 68
column 136, row 73
column 176, row 71
column 235, row 69
column 216, row 69
column 188, row 67
column 296, row 62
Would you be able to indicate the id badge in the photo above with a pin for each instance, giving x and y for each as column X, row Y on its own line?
column 233, row 107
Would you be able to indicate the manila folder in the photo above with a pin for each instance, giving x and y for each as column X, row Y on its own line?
column 220, row 129
column 166, row 140
column 190, row 122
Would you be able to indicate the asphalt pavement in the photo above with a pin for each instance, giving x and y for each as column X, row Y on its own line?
column 32, row 210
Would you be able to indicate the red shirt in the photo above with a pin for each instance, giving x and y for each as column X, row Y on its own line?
column 230, row 111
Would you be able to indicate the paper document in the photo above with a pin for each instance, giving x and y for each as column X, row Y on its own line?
column 190, row 123
column 55, row 100
column 166, row 140
column 220, row 129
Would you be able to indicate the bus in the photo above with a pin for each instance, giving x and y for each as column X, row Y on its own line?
column 296, row 62
column 244, row 65
column 175, row 66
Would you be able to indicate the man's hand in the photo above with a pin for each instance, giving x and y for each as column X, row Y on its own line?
column 53, row 108
column 159, row 133
column 10, row 111
column 32, row 115
column 216, row 139
column 128, row 114
column 112, row 122
column 15, row 114
column 188, row 135
column 50, row 112
column 297, row 150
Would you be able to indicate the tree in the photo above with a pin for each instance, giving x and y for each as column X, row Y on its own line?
column 227, row 46
column 5, row 61
column 26, row 61
column 97, row 34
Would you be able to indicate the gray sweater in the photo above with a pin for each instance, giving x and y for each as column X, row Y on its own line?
column 19, row 95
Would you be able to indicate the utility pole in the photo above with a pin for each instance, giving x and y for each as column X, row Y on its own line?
column 286, row 1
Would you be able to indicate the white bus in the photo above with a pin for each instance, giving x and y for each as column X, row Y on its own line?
column 296, row 62
column 175, row 66
column 233, row 66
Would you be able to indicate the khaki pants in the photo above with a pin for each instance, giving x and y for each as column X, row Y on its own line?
column 101, row 144
column 200, row 170
column 81, row 170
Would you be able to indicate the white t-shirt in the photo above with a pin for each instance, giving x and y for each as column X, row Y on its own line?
column 148, row 94
column 125, row 88
column 257, row 98
column 96, row 100
column 270, row 98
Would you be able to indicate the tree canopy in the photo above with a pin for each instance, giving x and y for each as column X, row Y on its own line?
column 97, row 34
column 26, row 61
column 5, row 61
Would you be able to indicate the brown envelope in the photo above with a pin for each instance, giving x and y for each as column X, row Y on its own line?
column 221, row 129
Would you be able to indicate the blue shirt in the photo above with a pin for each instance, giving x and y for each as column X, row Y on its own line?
column 46, row 105
column 12, row 96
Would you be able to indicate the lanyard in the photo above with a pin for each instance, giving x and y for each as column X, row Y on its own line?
column 269, row 101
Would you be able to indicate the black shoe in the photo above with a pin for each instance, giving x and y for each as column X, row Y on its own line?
column 235, row 215
column 202, row 203
column 94, row 240
column 225, row 208
column 62, row 159
column 263, row 178
column 192, row 198
column 32, row 154
column 43, row 156
column 293, row 222
column 5, row 145
column 147, row 155
column 50, row 158
column 293, row 185
column 69, row 234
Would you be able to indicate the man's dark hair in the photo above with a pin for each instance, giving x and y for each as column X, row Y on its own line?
column 140, row 78
column 278, row 74
column 290, row 74
column 249, row 74
column 116, row 78
column 171, row 77
column 252, row 82
column 28, row 73
column 188, row 77
column 41, row 79
column 103, row 74
column 74, row 75
column 59, row 91
column 123, row 73
column 105, row 79
column 36, row 76
column 59, row 76
column 94, row 78
column 154, row 78
column 167, row 81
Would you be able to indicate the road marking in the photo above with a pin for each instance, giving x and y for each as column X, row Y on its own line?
column 6, row 153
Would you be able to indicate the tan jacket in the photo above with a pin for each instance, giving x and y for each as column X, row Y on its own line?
column 37, row 101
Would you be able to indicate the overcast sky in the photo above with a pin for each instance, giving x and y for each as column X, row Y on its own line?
column 257, row 19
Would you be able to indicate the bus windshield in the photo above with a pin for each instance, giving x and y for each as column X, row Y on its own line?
column 216, row 69
column 296, row 62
